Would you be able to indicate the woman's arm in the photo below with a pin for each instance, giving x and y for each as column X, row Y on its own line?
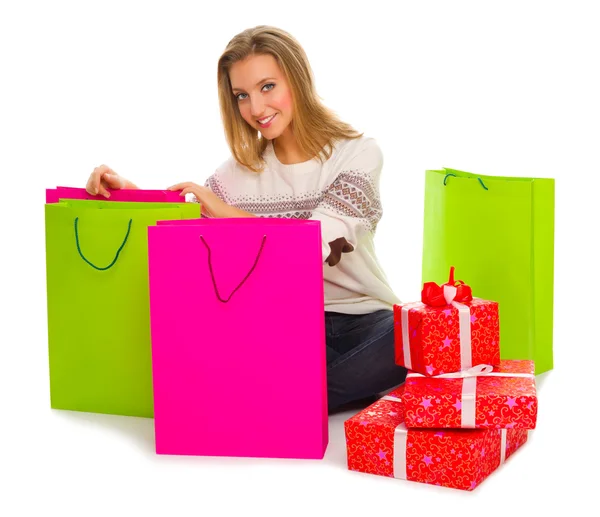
column 351, row 206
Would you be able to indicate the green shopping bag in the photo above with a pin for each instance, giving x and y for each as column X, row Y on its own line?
column 98, row 303
column 499, row 234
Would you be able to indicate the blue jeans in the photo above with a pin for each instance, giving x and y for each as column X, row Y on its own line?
column 360, row 356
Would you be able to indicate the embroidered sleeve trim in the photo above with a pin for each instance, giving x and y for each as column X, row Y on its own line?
column 353, row 195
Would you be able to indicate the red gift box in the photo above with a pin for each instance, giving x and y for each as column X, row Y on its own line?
column 447, row 331
column 378, row 442
column 482, row 398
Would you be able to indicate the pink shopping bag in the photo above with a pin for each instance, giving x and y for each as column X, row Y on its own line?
column 133, row 195
column 238, row 338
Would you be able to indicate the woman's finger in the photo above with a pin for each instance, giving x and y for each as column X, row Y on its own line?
column 102, row 190
column 194, row 192
column 94, row 181
column 187, row 190
column 180, row 186
column 112, row 180
column 94, row 184
column 89, row 186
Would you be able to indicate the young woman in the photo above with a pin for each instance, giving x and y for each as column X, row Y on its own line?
column 292, row 157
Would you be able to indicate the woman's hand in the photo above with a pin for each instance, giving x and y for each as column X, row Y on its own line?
column 212, row 205
column 104, row 178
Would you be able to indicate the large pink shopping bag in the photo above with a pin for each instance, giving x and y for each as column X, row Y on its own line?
column 131, row 195
column 238, row 338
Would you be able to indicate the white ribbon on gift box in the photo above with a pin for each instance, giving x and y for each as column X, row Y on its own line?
column 405, row 334
column 464, row 328
column 469, row 387
column 401, row 438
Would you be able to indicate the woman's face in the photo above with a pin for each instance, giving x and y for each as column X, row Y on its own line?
column 263, row 94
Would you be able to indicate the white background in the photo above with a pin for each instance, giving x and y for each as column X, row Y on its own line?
column 507, row 88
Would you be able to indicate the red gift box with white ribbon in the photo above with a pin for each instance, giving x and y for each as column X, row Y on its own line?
column 447, row 331
column 482, row 397
column 378, row 442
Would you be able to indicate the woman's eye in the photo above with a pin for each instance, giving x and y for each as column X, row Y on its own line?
column 266, row 88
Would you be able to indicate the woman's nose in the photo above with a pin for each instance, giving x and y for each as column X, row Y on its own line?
column 257, row 106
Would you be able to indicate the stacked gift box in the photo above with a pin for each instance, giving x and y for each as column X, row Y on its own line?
column 462, row 411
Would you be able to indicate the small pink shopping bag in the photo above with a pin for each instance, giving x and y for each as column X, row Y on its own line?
column 238, row 338
column 132, row 195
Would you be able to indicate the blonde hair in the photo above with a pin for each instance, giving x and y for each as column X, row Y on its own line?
column 315, row 127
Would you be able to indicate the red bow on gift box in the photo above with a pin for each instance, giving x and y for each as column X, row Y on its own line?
column 438, row 296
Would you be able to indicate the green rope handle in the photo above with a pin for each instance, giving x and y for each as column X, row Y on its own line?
column 116, row 256
column 446, row 177
column 450, row 174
